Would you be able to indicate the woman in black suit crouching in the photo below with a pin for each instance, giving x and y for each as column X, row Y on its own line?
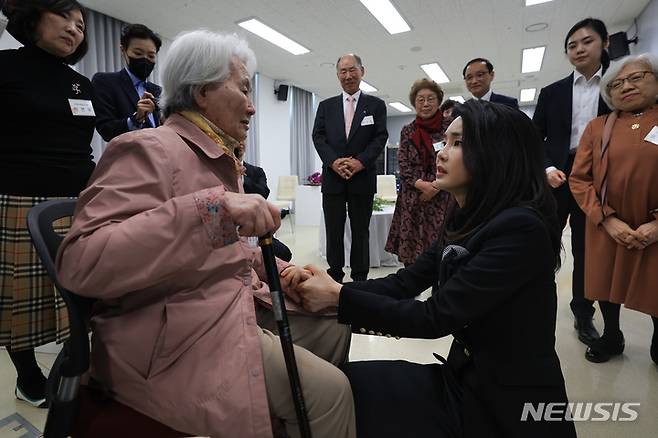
column 493, row 288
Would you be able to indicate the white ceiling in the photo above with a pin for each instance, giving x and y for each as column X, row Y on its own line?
column 446, row 31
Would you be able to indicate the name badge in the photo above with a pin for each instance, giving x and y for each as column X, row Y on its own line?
column 81, row 107
column 652, row 136
column 367, row 120
column 439, row 145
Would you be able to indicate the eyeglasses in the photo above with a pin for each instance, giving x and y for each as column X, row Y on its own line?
column 478, row 75
column 428, row 99
column 633, row 78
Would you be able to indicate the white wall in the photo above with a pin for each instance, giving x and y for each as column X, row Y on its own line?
column 647, row 26
column 273, row 133
column 394, row 126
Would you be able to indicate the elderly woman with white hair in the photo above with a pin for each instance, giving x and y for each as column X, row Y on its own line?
column 158, row 239
column 615, row 182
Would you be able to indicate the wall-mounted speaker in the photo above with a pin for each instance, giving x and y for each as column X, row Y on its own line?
column 281, row 92
column 618, row 45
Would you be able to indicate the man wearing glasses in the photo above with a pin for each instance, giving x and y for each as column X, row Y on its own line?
column 478, row 75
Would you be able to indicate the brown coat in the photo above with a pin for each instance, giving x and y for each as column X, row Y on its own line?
column 612, row 272
column 177, row 339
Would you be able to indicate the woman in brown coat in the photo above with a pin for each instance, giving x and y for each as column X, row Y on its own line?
column 615, row 182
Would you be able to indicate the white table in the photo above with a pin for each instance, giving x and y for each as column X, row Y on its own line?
column 308, row 205
column 380, row 223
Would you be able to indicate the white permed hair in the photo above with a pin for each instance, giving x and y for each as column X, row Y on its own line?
column 648, row 59
column 195, row 59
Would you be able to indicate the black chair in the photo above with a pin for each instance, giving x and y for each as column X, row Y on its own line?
column 78, row 410
column 73, row 361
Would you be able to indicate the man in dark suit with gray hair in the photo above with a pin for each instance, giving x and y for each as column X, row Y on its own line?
column 478, row 75
column 349, row 134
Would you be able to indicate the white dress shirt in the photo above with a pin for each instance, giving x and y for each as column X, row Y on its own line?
column 356, row 102
column 584, row 107
column 487, row 96
column 585, row 104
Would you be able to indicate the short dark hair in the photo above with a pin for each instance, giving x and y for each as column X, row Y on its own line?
column 503, row 154
column 24, row 15
column 139, row 31
column 449, row 103
column 357, row 57
column 425, row 84
column 597, row 26
column 474, row 60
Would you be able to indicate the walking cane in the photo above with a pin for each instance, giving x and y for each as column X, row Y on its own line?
column 281, row 317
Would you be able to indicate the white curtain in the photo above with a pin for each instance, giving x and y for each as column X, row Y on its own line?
column 302, row 151
column 253, row 148
column 104, row 54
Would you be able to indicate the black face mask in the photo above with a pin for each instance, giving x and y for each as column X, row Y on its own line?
column 140, row 67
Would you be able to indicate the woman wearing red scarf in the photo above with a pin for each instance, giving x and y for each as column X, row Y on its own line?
column 420, row 208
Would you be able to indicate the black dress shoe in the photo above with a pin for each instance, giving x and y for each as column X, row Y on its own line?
column 605, row 347
column 587, row 333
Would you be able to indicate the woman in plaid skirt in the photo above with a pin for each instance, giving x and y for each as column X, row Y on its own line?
column 46, row 125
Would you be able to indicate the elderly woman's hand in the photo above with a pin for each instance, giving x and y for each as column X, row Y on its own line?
column 648, row 233
column 291, row 277
column 622, row 233
column 320, row 291
column 253, row 215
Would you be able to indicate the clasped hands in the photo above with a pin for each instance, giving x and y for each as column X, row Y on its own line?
column 310, row 287
column 624, row 235
column 346, row 167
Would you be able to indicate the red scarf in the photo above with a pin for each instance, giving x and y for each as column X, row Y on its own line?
column 422, row 139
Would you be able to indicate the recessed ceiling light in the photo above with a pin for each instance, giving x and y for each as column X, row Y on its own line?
column 532, row 59
column 400, row 107
column 459, row 99
column 536, row 27
column 364, row 86
column 536, row 2
column 387, row 15
column 267, row 33
column 435, row 72
column 528, row 94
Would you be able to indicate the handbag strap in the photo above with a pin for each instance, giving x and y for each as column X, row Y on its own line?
column 605, row 141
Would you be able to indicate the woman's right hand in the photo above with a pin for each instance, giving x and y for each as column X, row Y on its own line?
column 622, row 233
column 253, row 215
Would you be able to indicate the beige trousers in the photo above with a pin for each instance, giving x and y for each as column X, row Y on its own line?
column 320, row 345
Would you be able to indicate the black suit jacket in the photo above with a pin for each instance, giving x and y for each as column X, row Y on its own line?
column 505, row 100
column 116, row 100
column 365, row 142
column 255, row 180
column 553, row 119
column 499, row 302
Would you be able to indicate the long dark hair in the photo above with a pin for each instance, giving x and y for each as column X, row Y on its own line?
column 597, row 26
column 24, row 15
column 503, row 153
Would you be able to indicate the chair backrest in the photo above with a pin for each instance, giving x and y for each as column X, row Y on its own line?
column 287, row 187
column 386, row 187
column 73, row 360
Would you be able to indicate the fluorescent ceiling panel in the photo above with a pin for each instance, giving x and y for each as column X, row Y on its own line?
column 400, row 107
column 267, row 33
column 536, row 2
column 532, row 59
column 387, row 15
column 459, row 99
column 364, row 86
column 436, row 73
column 528, row 94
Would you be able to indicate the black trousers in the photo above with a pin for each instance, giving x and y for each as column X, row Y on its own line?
column 568, row 209
column 359, row 209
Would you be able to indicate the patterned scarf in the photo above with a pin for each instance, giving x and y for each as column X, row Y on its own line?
column 422, row 139
column 227, row 143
